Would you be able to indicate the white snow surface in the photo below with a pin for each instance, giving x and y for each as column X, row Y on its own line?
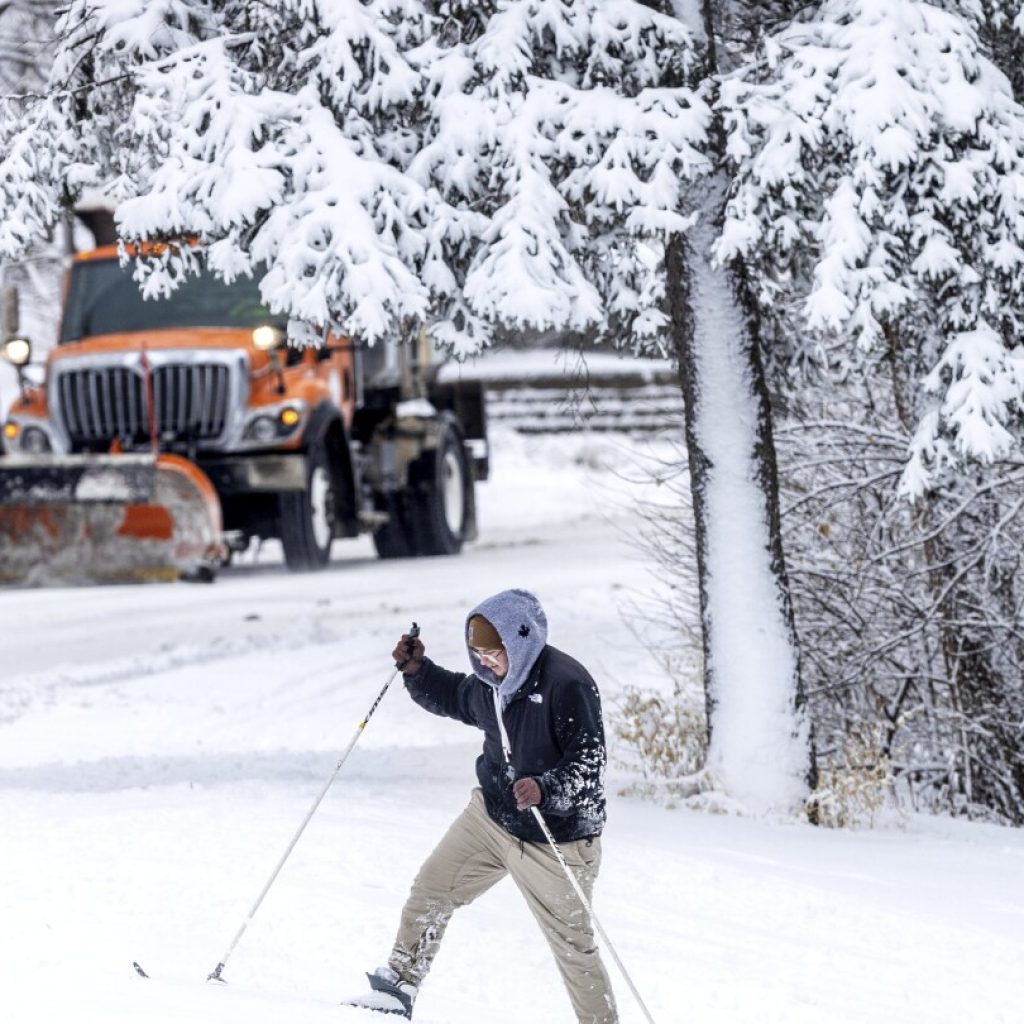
column 159, row 745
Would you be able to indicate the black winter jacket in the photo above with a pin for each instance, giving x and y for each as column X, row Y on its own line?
column 557, row 737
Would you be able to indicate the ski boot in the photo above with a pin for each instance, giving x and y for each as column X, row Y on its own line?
column 389, row 994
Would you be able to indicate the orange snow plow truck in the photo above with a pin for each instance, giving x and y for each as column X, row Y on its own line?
column 165, row 434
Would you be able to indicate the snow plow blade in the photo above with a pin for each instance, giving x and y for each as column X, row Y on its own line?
column 106, row 518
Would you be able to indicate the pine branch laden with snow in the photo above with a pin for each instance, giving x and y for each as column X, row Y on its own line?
column 568, row 125
column 881, row 159
column 30, row 172
column 26, row 28
column 26, row 51
column 378, row 162
column 266, row 134
column 1000, row 27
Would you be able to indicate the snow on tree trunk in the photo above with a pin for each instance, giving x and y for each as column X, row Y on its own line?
column 759, row 744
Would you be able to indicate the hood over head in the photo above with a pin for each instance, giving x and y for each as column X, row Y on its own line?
column 522, row 625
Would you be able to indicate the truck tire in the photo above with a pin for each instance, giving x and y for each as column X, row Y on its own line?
column 306, row 518
column 443, row 498
column 395, row 539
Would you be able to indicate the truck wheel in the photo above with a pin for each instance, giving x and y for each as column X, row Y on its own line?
column 443, row 500
column 394, row 539
column 307, row 517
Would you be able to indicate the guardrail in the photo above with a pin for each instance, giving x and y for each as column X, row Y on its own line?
column 533, row 409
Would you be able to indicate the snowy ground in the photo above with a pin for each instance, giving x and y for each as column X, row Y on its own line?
column 159, row 745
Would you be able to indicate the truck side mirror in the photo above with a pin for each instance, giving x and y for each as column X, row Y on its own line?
column 9, row 311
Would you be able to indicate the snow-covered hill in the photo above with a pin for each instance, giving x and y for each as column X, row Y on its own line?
column 159, row 745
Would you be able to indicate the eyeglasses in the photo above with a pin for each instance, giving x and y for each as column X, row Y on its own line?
column 493, row 656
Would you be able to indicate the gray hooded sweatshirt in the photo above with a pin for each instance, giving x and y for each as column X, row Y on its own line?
column 523, row 628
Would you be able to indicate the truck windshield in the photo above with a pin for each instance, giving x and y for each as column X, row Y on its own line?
column 103, row 299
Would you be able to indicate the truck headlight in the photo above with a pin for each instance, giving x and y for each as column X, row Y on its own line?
column 35, row 441
column 18, row 351
column 262, row 429
column 266, row 338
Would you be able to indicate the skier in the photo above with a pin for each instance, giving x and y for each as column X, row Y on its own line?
column 552, row 717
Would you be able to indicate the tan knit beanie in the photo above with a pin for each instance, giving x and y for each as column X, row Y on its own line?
column 482, row 635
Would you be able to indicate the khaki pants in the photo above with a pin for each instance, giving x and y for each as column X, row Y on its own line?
column 473, row 855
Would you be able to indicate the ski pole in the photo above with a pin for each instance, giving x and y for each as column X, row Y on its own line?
column 590, row 910
column 215, row 974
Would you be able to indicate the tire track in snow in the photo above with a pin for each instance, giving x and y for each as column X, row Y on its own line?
column 17, row 698
column 380, row 766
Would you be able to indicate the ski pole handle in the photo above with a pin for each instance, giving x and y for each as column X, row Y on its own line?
column 413, row 634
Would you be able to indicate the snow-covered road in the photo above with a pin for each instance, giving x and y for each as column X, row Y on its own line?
column 159, row 746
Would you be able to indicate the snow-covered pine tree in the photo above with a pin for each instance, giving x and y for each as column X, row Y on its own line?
column 880, row 176
column 1000, row 28
column 317, row 139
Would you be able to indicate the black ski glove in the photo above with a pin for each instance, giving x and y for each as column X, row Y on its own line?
column 408, row 655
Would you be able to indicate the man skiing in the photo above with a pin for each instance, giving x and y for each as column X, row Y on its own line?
column 551, row 712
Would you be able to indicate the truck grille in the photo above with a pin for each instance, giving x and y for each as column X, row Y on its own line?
column 99, row 404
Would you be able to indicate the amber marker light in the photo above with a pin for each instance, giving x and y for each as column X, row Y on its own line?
column 11, row 431
column 289, row 417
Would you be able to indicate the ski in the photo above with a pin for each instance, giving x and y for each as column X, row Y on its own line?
column 378, row 1003
column 385, row 997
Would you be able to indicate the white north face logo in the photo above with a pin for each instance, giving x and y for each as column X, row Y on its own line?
column 537, row 698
